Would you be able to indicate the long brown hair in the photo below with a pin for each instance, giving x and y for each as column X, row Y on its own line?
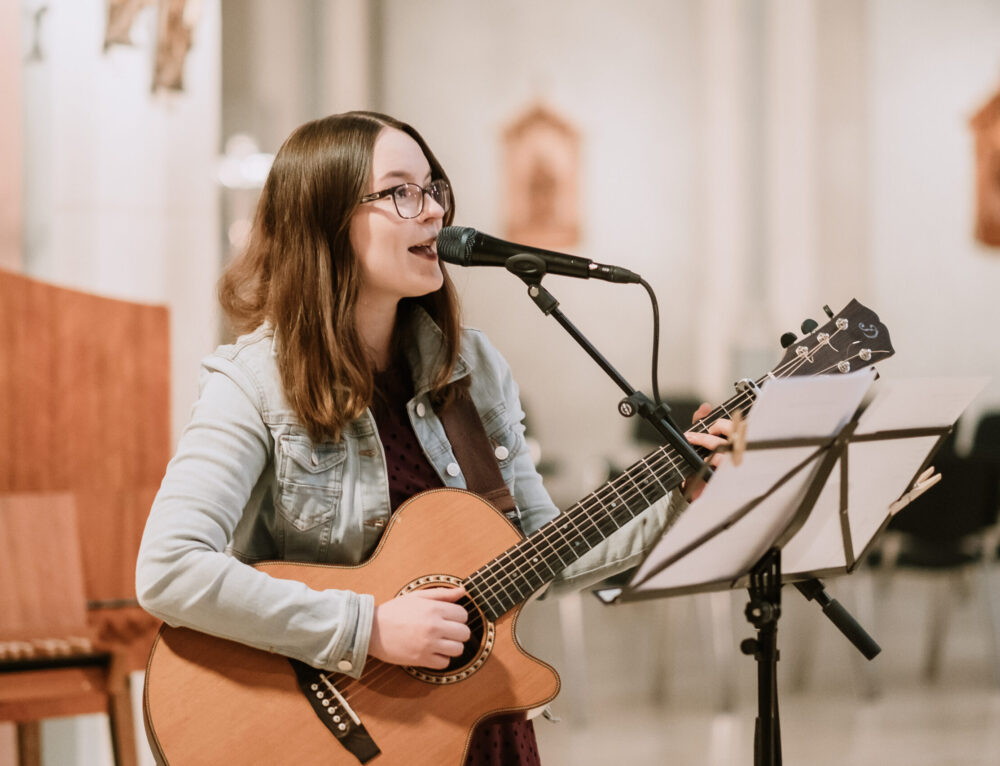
column 300, row 273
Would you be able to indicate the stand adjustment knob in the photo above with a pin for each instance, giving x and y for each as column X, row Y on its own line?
column 749, row 646
column 762, row 612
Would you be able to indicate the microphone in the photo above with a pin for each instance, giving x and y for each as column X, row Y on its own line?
column 464, row 246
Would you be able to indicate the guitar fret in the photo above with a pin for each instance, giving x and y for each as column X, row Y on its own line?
column 653, row 474
column 484, row 602
column 629, row 474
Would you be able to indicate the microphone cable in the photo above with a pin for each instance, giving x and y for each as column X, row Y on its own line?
column 656, row 341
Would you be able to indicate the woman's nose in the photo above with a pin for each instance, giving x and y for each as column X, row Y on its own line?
column 432, row 208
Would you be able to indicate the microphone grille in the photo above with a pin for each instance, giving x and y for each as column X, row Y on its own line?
column 454, row 244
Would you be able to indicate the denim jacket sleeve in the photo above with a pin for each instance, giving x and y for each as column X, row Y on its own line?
column 184, row 574
column 622, row 550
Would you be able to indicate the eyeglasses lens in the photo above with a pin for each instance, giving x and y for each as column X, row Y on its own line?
column 409, row 198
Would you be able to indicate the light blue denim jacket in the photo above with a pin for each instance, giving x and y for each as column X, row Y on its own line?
column 247, row 484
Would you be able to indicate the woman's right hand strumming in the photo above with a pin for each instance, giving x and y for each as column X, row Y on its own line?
column 424, row 628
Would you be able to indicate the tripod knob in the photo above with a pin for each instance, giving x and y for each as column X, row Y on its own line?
column 749, row 646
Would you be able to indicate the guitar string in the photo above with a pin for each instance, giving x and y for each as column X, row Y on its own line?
column 581, row 510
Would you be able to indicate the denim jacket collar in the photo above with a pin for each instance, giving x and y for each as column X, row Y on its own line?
column 426, row 353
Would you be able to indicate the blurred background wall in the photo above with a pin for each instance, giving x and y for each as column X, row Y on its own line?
column 752, row 159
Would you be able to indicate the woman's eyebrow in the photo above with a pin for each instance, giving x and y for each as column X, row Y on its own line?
column 403, row 176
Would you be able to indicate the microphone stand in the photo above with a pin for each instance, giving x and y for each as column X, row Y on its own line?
column 765, row 588
column 530, row 269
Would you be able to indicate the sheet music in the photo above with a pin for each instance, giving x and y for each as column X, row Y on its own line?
column 786, row 408
column 878, row 473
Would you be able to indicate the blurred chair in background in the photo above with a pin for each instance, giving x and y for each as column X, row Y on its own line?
column 84, row 441
column 950, row 533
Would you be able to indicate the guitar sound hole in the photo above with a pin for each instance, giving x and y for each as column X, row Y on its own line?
column 474, row 645
column 475, row 651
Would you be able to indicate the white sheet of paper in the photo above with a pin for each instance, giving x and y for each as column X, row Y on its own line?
column 786, row 408
column 878, row 473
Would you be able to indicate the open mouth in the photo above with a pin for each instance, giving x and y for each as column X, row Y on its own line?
column 427, row 249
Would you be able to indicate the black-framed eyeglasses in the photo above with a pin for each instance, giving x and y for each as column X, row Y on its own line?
column 409, row 198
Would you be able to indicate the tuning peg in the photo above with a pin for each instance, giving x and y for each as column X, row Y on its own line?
column 809, row 325
column 828, row 310
column 787, row 339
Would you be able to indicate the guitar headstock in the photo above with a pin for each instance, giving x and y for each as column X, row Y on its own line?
column 851, row 340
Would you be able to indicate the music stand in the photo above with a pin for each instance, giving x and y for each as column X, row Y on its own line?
column 824, row 467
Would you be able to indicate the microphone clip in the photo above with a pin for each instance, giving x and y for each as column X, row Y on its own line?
column 530, row 269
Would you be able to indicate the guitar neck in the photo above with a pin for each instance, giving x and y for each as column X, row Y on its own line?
column 851, row 340
column 513, row 576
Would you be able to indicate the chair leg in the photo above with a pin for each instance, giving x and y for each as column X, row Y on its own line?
column 865, row 671
column 29, row 744
column 120, row 716
column 992, row 615
column 940, row 606
column 659, row 634
column 715, row 616
column 575, row 654
column 804, row 657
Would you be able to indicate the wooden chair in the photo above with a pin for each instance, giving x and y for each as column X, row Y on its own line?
column 84, row 441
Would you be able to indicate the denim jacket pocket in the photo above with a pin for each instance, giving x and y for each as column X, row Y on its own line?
column 310, row 478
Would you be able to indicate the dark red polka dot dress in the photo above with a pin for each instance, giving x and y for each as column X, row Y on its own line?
column 502, row 741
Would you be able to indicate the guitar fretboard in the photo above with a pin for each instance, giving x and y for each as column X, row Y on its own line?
column 512, row 577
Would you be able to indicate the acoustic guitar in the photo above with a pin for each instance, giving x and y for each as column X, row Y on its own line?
column 212, row 701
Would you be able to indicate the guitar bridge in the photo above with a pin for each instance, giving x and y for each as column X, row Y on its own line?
column 333, row 710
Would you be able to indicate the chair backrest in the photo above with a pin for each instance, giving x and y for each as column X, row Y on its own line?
column 963, row 503
column 41, row 569
column 84, row 410
column 986, row 443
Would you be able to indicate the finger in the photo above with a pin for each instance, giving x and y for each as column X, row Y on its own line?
column 452, row 613
column 449, row 648
column 708, row 441
column 703, row 409
column 721, row 426
column 436, row 662
column 456, row 631
column 441, row 594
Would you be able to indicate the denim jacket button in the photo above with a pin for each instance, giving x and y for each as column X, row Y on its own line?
column 344, row 665
column 501, row 452
column 421, row 410
column 453, row 469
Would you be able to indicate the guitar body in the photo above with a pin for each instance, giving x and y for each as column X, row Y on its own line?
column 208, row 700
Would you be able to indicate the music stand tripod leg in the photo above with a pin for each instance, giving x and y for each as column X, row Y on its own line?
column 763, row 611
